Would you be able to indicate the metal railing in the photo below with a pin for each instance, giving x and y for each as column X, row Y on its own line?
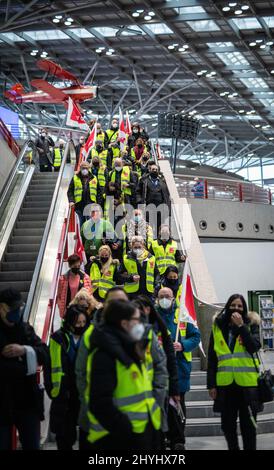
column 40, row 256
column 221, row 189
column 7, row 136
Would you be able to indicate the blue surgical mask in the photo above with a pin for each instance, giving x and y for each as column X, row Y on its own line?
column 137, row 218
column 14, row 316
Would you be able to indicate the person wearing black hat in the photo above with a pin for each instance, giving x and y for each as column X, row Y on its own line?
column 60, row 380
column 21, row 351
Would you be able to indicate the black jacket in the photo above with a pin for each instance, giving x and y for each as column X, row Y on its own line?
column 68, row 399
column 125, row 277
column 85, row 194
column 17, row 390
column 44, row 143
column 145, row 191
column 112, row 344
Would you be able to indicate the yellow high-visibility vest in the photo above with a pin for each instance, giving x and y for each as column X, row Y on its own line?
column 78, row 189
column 164, row 255
column 237, row 366
column 102, row 155
column 131, row 267
column 100, row 281
column 57, row 158
column 55, row 350
column 125, row 179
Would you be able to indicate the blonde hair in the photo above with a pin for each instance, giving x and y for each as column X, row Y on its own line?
column 137, row 238
column 110, row 261
column 84, row 294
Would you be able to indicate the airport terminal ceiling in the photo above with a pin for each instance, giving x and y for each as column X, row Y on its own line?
column 211, row 59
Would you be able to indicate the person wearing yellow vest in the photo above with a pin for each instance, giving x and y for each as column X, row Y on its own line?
column 188, row 340
column 100, row 135
column 60, row 381
column 99, row 170
column 103, row 273
column 171, row 280
column 121, row 182
column 98, row 151
column 111, row 142
column 84, row 189
column 139, row 270
column 58, row 154
column 166, row 250
column 232, row 375
column 123, row 413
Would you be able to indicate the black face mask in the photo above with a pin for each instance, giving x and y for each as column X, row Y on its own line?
column 172, row 282
column 140, row 146
column 96, row 164
column 75, row 270
column 145, row 159
column 104, row 260
column 79, row 330
column 154, row 174
column 99, row 148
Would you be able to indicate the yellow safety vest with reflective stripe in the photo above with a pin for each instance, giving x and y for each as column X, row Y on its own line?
column 101, row 176
column 133, row 396
column 131, row 267
column 164, row 255
column 78, row 189
column 182, row 331
column 100, row 281
column 179, row 294
column 87, row 335
column 55, row 350
column 101, row 136
column 57, row 158
column 112, row 135
column 125, row 179
column 237, row 366
column 102, row 155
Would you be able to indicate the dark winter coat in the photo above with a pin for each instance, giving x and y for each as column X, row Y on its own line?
column 17, row 390
column 250, row 335
column 146, row 192
column 44, row 143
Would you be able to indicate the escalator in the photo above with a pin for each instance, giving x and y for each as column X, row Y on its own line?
column 19, row 258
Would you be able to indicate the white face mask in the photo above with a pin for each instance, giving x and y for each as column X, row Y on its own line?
column 137, row 331
column 165, row 303
column 118, row 168
column 43, row 134
column 84, row 172
column 138, row 251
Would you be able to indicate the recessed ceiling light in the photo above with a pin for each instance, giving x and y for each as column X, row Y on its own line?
column 135, row 14
column 252, row 44
column 241, row 111
column 151, row 13
column 98, row 51
column 263, row 46
column 259, row 40
column 204, row 125
column 56, row 20
column 222, row 94
column 111, row 50
column 68, row 23
column 33, row 53
column 245, row 7
column 147, row 17
column 257, row 125
column 271, row 138
column 230, row 96
column 251, row 154
column 108, row 53
column 59, row 17
column 140, row 11
column 272, row 71
column 171, row 47
column 232, row 4
column 269, row 43
column 226, row 8
column 101, row 48
column 70, row 19
column 181, row 49
column 199, row 73
column 238, row 12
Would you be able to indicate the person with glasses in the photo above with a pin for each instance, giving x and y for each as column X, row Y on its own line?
column 123, row 413
column 232, row 371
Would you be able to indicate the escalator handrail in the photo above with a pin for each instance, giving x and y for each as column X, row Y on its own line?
column 13, row 173
column 40, row 256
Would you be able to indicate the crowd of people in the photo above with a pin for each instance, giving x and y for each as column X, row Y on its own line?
column 119, row 366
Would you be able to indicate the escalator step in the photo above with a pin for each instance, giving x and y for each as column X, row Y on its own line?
column 21, row 248
column 31, row 199
column 24, row 296
column 34, row 210
column 14, row 276
column 18, row 266
column 20, row 257
column 39, row 192
column 35, row 204
column 22, row 286
column 28, row 232
column 30, row 224
column 33, row 217
column 25, row 240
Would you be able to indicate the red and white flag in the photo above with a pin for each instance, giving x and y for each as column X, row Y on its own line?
column 187, row 312
column 128, row 125
column 122, row 136
column 90, row 141
column 79, row 247
column 74, row 116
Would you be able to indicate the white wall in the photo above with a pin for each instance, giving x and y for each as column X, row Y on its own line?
column 7, row 160
column 240, row 267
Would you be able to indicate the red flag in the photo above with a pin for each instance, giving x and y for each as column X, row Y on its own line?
column 90, row 141
column 79, row 247
column 128, row 125
column 74, row 116
column 122, row 137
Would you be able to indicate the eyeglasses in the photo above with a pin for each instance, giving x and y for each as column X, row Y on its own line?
column 136, row 318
